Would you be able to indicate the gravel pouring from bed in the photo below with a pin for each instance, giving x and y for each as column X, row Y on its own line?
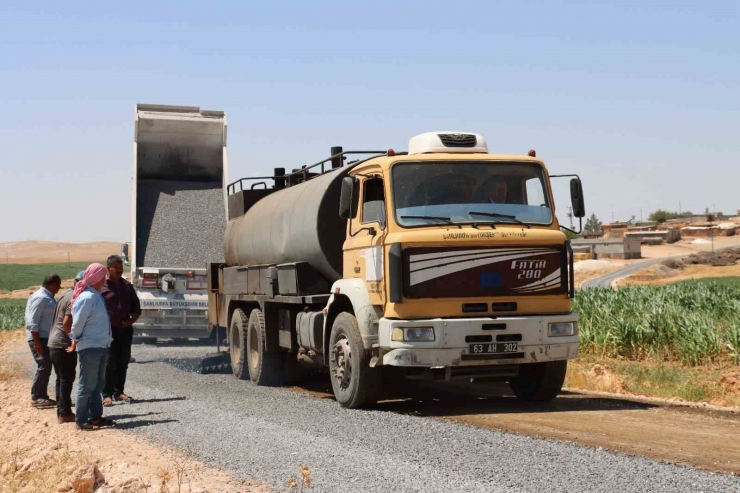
column 179, row 223
column 265, row 433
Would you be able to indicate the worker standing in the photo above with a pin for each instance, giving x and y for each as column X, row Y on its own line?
column 63, row 359
column 123, row 309
column 91, row 339
column 39, row 319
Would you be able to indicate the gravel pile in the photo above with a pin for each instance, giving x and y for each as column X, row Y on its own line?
column 266, row 433
column 179, row 223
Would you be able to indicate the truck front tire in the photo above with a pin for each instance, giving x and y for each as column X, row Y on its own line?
column 355, row 384
column 539, row 382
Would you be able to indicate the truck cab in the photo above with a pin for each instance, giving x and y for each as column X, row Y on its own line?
column 462, row 254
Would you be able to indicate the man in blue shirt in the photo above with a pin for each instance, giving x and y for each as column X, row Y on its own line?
column 39, row 319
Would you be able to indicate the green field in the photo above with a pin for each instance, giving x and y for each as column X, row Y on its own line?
column 12, row 313
column 694, row 323
column 724, row 281
column 20, row 276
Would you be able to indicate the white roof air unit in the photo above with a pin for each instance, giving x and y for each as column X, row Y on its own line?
column 462, row 142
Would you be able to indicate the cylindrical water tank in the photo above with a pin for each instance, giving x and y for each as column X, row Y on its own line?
column 297, row 224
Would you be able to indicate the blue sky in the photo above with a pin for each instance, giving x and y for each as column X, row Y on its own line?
column 640, row 98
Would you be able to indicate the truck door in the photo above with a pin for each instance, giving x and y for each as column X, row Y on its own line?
column 364, row 251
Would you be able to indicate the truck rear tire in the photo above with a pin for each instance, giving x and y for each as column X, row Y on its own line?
column 539, row 382
column 264, row 367
column 238, row 344
column 355, row 384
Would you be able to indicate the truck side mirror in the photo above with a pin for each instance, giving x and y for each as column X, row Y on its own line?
column 124, row 252
column 348, row 198
column 576, row 198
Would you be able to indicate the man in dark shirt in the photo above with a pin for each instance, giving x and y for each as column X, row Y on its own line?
column 64, row 359
column 123, row 309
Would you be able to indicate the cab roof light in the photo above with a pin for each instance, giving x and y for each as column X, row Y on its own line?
column 532, row 153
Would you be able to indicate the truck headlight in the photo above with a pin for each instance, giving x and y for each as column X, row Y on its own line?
column 561, row 329
column 413, row 334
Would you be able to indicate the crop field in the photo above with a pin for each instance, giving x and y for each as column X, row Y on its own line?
column 12, row 313
column 694, row 323
column 20, row 276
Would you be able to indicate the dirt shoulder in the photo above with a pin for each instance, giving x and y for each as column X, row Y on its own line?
column 41, row 455
column 696, row 435
column 659, row 275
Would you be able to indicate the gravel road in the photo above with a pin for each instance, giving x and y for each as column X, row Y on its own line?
column 266, row 433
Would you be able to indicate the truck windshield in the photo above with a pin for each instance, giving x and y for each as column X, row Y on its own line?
column 464, row 191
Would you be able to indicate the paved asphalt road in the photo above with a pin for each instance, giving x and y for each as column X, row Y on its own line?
column 266, row 433
column 607, row 280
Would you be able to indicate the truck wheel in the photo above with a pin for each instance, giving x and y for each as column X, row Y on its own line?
column 539, row 382
column 264, row 366
column 355, row 384
column 238, row 344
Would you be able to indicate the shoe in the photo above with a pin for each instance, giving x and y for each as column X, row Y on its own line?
column 123, row 398
column 107, row 402
column 66, row 419
column 102, row 423
column 43, row 403
column 84, row 427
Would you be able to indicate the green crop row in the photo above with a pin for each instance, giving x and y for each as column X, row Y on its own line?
column 12, row 313
column 692, row 322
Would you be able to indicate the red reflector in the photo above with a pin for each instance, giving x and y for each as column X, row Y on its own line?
column 149, row 282
column 195, row 285
column 533, row 153
column 151, row 275
column 390, row 152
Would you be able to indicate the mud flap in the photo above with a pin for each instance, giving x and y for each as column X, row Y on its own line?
column 215, row 363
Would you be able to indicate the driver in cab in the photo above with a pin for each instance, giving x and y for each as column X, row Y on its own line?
column 497, row 191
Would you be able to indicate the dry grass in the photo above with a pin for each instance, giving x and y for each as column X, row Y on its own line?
column 655, row 379
column 23, row 472
column 305, row 480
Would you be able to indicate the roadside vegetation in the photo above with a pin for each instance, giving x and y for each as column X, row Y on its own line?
column 679, row 341
column 21, row 276
column 693, row 323
column 12, row 312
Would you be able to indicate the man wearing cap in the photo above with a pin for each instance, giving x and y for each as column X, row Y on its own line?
column 123, row 309
column 64, row 359
column 39, row 319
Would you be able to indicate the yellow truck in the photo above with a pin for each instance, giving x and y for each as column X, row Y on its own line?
column 442, row 262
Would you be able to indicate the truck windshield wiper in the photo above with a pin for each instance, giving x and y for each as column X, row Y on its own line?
column 502, row 216
column 433, row 218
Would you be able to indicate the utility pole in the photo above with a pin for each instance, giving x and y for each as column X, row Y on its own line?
column 612, row 218
column 679, row 207
column 640, row 214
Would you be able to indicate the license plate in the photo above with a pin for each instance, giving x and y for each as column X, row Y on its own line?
column 494, row 348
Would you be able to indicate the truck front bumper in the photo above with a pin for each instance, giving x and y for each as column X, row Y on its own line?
column 453, row 338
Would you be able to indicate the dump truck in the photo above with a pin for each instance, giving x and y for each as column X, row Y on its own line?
column 178, row 197
column 443, row 262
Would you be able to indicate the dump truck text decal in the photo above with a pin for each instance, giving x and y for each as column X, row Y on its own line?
column 169, row 304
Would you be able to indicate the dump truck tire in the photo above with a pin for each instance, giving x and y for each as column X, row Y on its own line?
column 539, row 382
column 264, row 367
column 238, row 344
column 355, row 384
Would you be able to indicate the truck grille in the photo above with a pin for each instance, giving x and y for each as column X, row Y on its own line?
column 460, row 272
column 458, row 140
